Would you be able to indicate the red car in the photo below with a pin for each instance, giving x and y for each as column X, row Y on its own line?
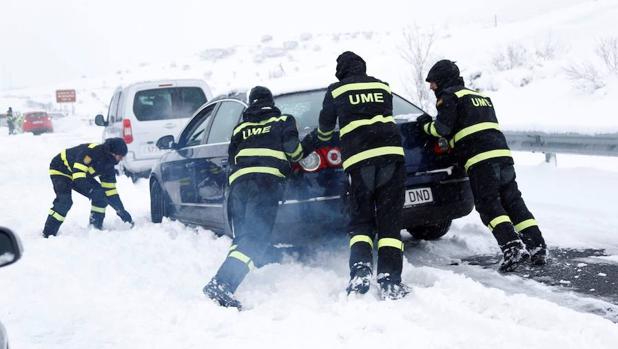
column 37, row 122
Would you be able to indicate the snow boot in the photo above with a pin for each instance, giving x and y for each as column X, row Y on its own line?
column 220, row 293
column 96, row 220
column 514, row 254
column 392, row 290
column 538, row 256
column 52, row 225
column 360, row 280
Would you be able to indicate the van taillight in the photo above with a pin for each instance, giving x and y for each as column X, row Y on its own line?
column 320, row 159
column 441, row 146
column 127, row 131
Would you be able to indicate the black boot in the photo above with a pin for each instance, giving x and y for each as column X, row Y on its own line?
column 96, row 220
column 535, row 244
column 52, row 226
column 392, row 290
column 221, row 293
column 514, row 254
column 360, row 279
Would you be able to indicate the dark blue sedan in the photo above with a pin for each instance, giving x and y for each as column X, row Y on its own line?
column 189, row 182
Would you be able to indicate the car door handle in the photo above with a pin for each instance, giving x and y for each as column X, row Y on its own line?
column 189, row 165
column 224, row 163
column 169, row 125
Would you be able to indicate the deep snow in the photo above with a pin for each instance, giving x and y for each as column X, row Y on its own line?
column 141, row 287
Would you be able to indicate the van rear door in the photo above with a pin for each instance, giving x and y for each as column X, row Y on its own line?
column 158, row 112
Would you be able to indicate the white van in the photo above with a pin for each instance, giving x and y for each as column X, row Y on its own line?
column 143, row 112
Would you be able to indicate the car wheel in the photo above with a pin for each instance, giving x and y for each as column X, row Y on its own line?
column 430, row 232
column 157, row 203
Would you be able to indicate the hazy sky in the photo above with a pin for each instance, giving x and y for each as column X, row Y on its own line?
column 47, row 41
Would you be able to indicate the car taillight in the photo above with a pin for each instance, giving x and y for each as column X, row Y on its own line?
column 327, row 157
column 441, row 147
column 127, row 131
column 333, row 157
column 311, row 163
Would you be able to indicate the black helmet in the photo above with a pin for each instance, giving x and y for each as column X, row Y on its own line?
column 116, row 146
column 442, row 71
column 349, row 64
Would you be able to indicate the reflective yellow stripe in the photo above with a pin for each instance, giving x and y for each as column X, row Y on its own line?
column 243, row 258
column 110, row 185
column 257, row 169
column 97, row 209
column 58, row 173
column 77, row 175
column 92, row 145
column 233, row 247
column 462, row 93
column 325, row 133
column 371, row 153
column 482, row 126
column 390, row 242
column 91, row 170
column 498, row 220
column 525, row 224
column 111, row 192
column 63, row 156
column 297, row 153
column 361, row 238
column 360, row 86
column 261, row 123
column 487, row 155
column 364, row 122
column 261, row 152
column 324, row 138
column 430, row 128
column 56, row 215
column 80, row 167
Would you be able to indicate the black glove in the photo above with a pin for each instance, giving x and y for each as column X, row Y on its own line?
column 421, row 121
column 125, row 216
column 310, row 142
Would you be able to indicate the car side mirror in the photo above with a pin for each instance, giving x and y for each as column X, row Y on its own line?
column 99, row 120
column 10, row 247
column 166, row 142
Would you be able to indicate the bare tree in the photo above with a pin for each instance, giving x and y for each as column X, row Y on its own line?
column 416, row 51
column 585, row 76
column 608, row 51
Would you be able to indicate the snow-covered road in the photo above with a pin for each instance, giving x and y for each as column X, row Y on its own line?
column 141, row 287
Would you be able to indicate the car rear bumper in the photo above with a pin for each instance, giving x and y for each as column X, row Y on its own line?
column 452, row 199
column 134, row 165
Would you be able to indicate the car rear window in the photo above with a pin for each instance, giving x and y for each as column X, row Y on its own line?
column 167, row 103
column 306, row 106
column 36, row 115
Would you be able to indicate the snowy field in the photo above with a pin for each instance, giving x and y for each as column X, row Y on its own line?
column 141, row 287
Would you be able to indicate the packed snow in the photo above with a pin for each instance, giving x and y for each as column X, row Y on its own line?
column 141, row 287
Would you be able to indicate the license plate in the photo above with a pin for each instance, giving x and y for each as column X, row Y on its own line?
column 418, row 196
column 37, row 122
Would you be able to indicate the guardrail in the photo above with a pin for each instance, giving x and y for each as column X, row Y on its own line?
column 567, row 143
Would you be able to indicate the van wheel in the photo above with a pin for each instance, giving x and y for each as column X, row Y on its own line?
column 157, row 203
column 430, row 232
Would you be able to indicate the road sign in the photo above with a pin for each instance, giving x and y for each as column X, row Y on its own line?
column 65, row 96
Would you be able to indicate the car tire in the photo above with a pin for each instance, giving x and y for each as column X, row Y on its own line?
column 430, row 232
column 157, row 203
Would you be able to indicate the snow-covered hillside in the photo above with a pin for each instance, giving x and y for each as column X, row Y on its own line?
column 542, row 68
